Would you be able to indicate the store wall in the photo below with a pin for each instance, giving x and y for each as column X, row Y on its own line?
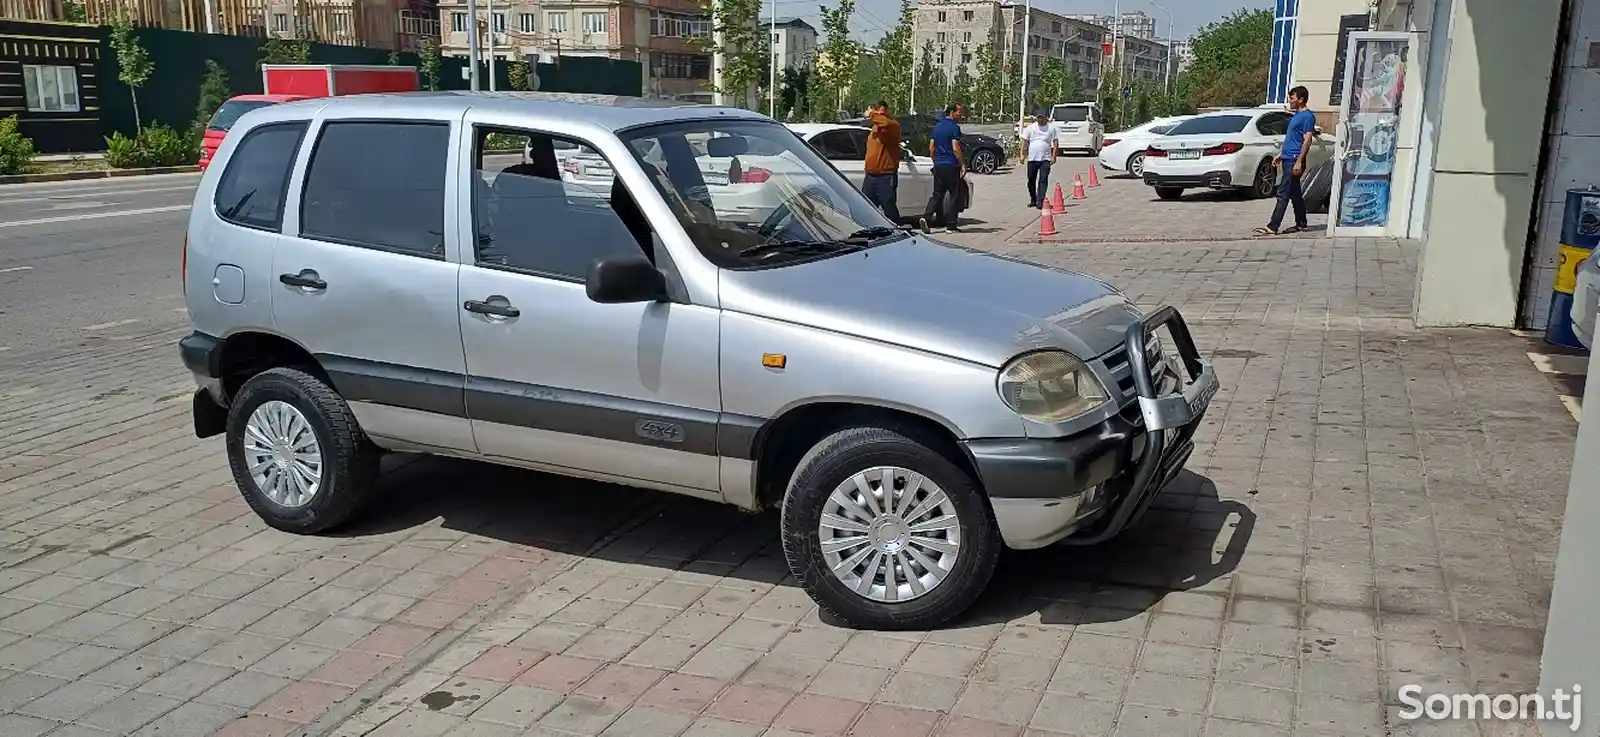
column 1317, row 45
column 1572, row 153
column 1490, row 135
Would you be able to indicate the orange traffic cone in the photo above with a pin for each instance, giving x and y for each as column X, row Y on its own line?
column 1047, row 222
column 1094, row 178
column 1077, row 188
column 1058, row 205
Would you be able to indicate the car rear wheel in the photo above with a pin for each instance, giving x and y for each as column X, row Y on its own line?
column 1169, row 193
column 985, row 161
column 1264, row 185
column 1136, row 165
column 297, row 454
column 884, row 532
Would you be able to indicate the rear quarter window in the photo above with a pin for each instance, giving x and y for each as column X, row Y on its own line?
column 252, row 188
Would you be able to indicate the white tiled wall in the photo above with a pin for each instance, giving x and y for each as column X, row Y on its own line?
column 1572, row 154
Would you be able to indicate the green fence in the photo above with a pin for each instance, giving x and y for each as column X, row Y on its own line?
column 170, row 94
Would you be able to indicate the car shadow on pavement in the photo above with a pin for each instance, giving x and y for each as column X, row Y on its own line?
column 1188, row 539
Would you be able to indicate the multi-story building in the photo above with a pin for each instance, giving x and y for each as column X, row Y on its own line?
column 1135, row 23
column 659, row 34
column 956, row 28
column 384, row 24
column 1183, row 53
column 794, row 43
column 1136, row 58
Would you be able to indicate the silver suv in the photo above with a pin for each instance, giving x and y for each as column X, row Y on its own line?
column 412, row 273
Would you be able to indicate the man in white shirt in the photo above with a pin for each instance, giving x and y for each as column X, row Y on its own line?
column 1038, row 153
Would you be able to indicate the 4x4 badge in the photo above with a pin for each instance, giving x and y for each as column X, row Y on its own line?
column 659, row 430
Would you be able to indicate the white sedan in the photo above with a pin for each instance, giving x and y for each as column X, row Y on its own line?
column 1124, row 150
column 1231, row 149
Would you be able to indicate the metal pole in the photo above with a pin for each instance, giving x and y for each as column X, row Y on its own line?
column 1027, row 33
column 472, row 43
column 916, row 57
column 772, row 64
column 1167, row 76
column 211, row 16
column 490, row 13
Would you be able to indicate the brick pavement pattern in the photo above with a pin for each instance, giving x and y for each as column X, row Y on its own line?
column 1370, row 505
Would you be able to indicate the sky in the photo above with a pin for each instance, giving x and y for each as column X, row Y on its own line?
column 875, row 17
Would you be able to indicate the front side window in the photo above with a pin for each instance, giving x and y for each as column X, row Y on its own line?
column 51, row 89
column 753, row 194
column 378, row 185
column 838, row 146
column 251, row 190
column 550, row 205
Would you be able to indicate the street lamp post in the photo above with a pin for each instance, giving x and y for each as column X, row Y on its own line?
column 772, row 63
column 1027, row 38
column 1167, row 76
column 472, row 43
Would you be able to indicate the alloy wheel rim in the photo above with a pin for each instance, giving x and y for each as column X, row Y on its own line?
column 984, row 161
column 282, row 454
column 889, row 534
column 1137, row 167
column 1264, row 181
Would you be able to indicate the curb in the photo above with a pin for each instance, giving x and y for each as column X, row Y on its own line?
column 68, row 176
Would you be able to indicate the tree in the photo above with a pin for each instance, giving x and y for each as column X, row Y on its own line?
column 793, row 100
column 836, row 64
column 895, row 62
column 988, row 98
column 739, row 44
column 428, row 62
column 284, row 51
column 1231, row 58
column 518, row 75
column 932, row 85
column 133, row 62
column 213, row 92
column 1057, row 84
column 394, row 58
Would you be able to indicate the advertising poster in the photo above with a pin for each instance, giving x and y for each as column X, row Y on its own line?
column 1371, row 122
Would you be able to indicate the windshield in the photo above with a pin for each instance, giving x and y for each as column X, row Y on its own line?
column 1210, row 124
column 230, row 111
column 1070, row 113
column 753, row 194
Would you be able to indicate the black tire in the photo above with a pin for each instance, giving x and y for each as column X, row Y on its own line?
column 1136, row 165
column 1169, row 193
column 985, row 161
column 349, row 460
column 835, row 459
column 1263, row 186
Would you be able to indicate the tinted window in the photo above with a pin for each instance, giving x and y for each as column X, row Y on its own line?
column 1210, row 124
column 545, row 211
column 1070, row 114
column 229, row 113
column 840, row 146
column 1161, row 130
column 251, row 190
column 1273, row 124
column 378, row 185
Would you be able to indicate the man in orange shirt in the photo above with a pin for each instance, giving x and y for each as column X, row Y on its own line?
column 882, row 182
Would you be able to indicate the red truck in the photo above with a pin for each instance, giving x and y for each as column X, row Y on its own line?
column 290, row 82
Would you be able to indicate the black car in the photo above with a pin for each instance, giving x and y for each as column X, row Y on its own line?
column 984, row 153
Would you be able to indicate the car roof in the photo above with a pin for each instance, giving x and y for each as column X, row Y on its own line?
column 812, row 129
column 267, row 98
column 607, row 112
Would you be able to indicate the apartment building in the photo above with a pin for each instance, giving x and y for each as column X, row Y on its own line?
column 1136, row 58
column 1135, row 23
column 385, row 24
column 659, row 34
column 956, row 28
column 1183, row 53
column 794, row 43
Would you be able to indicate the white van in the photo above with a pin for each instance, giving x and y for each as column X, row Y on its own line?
column 1078, row 127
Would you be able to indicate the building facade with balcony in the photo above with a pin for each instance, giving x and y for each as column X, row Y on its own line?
column 794, row 43
column 956, row 29
column 1135, row 23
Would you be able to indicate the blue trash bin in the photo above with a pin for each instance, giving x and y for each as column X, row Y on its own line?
column 1580, row 234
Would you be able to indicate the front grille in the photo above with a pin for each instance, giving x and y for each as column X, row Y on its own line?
column 1120, row 370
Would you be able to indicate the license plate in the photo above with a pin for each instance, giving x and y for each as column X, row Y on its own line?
column 1203, row 398
column 1185, row 155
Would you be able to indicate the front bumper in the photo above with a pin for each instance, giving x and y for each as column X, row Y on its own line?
column 1087, row 488
column 1217, row 179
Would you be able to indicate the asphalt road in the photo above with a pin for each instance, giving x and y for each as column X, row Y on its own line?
column 86, row 262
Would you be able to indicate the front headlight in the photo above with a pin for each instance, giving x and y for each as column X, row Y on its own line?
column 1050, row 386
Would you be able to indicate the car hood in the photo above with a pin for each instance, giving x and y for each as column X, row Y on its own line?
column 919, row 293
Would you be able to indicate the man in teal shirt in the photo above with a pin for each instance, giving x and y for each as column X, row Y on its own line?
column 1291, row 164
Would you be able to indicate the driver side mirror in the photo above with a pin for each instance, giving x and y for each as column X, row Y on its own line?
column 623, row 278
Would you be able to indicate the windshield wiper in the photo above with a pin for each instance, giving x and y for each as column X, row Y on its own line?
column 802, row 246
column 876, row 232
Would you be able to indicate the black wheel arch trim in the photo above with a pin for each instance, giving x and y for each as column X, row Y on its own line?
column 1053, row 468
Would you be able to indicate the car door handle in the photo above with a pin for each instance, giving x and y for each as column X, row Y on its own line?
column 303, row 280
column 490, row 309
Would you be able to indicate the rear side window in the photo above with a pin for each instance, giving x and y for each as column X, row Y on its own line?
column 1210, row 124
column 1273, row 124
column 839, row 146
column 378, row 185
column 231, row 111
column 251, row 190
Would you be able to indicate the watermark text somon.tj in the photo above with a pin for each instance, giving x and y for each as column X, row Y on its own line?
column 1561, row 705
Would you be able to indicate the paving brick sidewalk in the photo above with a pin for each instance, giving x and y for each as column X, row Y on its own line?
column 1370, row 505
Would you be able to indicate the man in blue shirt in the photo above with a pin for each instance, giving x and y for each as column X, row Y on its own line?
column 1291, row 164
column 949, row 169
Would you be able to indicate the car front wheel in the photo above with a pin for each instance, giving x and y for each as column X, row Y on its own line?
column 297, row 454
column 985, row 162
column 1169, row 193
column 1136, row 165
column 884, row 532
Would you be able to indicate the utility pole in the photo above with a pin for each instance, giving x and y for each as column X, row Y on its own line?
column 472, row 44
column 490, row 25
column 1167, row 77
column 1027, row 40
column 772, row 63
column 915, row 58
